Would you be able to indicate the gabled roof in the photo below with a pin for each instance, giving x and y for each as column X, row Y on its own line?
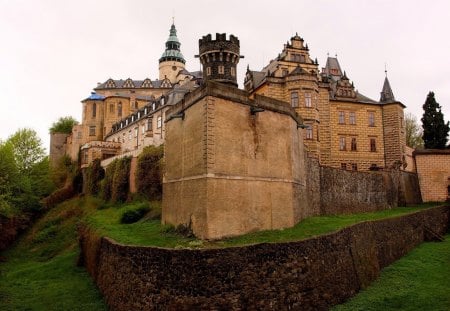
column 332, row 67
column 129, row 83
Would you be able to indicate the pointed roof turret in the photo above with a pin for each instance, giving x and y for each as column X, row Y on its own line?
column 172, row 52
column 386, row 93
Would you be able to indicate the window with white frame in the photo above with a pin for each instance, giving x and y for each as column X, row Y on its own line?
column 309, row 132
column 308, row 102
column 342, row 144
column 159, row 122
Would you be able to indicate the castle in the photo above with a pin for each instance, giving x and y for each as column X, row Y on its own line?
column 296, row 142
column 342, row 127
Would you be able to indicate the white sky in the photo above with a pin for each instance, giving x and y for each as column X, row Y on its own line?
column 52, row 53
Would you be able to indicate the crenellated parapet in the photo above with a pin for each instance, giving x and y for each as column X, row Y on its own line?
column 219, row 58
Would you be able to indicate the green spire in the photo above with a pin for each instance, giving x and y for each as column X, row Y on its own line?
column 172, row 52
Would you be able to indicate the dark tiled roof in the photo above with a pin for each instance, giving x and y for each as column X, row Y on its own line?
column 120, row 84
column 386, row 93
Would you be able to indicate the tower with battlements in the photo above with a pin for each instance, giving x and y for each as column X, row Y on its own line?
column 219, row 58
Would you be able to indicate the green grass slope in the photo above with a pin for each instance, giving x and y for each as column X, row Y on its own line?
column 418, row 281
column 40, row 272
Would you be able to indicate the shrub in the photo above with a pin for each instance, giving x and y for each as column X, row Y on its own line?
column 149, row 172
column 106, row 184
column 94, row 174
column 120, row 181
column 133, row 215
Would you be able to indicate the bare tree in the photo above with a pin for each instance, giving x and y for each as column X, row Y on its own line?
column 414, row 131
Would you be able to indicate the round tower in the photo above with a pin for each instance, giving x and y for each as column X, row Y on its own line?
column 219, row 58
column 171, row 61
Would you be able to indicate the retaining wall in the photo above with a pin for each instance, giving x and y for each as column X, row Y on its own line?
column 312, row 274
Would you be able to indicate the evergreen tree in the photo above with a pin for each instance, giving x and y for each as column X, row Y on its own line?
column 435, row 130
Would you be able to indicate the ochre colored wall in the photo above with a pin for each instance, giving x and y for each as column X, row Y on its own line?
column 248, row 169
column 434, row 175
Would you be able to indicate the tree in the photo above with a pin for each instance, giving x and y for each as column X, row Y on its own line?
column 413, row 131
column 435, row 130
column 27, row 148
column 63, row 125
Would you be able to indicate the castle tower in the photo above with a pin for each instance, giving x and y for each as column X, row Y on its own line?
column 171, row 61
column 393, row 128
column 386, row 93
column 219, row 58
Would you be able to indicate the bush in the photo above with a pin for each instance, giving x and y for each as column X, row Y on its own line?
column 133, row 215
column 106, row 184
column 94, row 174
column 149, row 172
column 120, row 181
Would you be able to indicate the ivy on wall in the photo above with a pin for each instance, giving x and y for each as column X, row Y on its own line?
column 149, row 172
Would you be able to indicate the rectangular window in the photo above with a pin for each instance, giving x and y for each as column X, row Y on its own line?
column 136, row 130
column 344, row 166
column 129, row 135
column 119, row 109
column 159, row 122
column 111, row 108
column 91, row 130
column 284, row 72
column 143, row 129
column 208, row 71
column 353, row 144
column 221, row 70
column 373, row 145
column 352, row 117
column 309, row 132
column 308, row 100
column 94, row 110
column 371, row 118
column 232, row 71
column 341, row 117
column 342, row 144
column 294, row 99
column 354, row 167
column 149, row 124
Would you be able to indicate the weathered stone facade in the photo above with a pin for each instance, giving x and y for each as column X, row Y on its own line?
column 433, row 169
column 344, row 129
column 230, row 169
column 313, row 274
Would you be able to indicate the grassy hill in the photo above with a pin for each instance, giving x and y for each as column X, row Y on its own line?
column 40, row 272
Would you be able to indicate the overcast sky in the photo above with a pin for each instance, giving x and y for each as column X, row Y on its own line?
column 52, row 53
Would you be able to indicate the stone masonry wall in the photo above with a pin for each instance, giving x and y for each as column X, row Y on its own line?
column 312, row 274
column 433, row 169
column 345, row 192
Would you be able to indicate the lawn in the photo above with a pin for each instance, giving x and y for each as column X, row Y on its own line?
column 418, row 281
column 40, row 272
column 149, row 232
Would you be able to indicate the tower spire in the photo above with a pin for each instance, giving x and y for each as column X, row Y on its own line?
column 386, row 93
column 171, row 61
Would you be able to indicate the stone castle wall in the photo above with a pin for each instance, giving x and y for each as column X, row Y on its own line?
column 313, row 274
column 58, row 147
column 229, row 171
column 433, row 169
